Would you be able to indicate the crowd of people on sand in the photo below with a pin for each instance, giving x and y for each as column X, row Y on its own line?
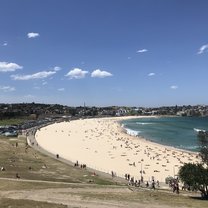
column 173, row 184
column 151, row 183
column 139, row 183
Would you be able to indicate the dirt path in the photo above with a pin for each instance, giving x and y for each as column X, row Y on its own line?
column 90, row 195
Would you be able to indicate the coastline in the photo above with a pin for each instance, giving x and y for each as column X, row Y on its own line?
column 152, row 141
column 102, row 144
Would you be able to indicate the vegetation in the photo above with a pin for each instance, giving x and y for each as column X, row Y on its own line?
column 17, row 157
column 204, row 151
column 146, row 198
column 204, row 155
column 39, row 111
column 12, row 121
column 19, row 203
column 195, row 176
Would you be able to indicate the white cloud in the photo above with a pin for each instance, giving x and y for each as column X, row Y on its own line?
column 76, row 73
column 100, row 74
column 57, row 68
column 151, row 74
column 142, row 50
column 5, row 43
column 174, row 87
column 38, row 75
column 7, row 88
column 33, row 35
column 202, row 49
column 61, row 89
column 9, row 67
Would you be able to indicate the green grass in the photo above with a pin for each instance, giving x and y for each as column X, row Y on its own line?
column 20, row 203
column 147, row 197
column 19, row 159
column 12, row 121
column 7, row 185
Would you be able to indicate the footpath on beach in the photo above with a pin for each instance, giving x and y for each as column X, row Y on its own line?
column 101, row 144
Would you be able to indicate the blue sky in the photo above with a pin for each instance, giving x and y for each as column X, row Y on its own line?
column 104, row 52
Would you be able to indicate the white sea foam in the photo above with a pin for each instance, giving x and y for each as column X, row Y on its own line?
column 132, row 132
column 142, row 123
column 199, row 130
column 194, row 147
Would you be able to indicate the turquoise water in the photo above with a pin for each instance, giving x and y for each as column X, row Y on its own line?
column 172, row 131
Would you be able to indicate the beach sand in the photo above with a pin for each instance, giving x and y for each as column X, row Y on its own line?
column 103, row 145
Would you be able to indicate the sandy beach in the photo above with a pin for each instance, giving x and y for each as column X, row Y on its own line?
column 103, row 145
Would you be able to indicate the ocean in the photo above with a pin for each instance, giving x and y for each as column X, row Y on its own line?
column 177, row 132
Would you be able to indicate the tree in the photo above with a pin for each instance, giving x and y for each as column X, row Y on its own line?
column 203, row 143
column 196, row 177
column 204, row 155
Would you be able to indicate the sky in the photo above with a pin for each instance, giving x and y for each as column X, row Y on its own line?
column 146, row 53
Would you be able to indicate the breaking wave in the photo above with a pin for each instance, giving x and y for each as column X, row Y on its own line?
column 192, row 148
column 142, row 123
column 132, row 132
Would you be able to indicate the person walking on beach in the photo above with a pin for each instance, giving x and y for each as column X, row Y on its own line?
column 158, row 184
column 147, row 184
column 153, row 184
column 142, row 179
column 177, row 188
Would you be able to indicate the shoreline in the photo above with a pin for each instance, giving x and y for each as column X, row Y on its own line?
column 154, row 142
column 151, row 141
column 102, row 144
